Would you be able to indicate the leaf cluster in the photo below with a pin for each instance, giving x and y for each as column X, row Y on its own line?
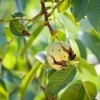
column 24, row 71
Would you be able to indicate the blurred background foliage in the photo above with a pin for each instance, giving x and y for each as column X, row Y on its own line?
column 13, row 69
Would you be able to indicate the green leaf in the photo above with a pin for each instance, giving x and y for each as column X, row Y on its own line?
column 78, row 8
column 3, row 93
column 17, row 28
column 93, row 14
column 28, row 78
column 80, row 91
column 21, row 43
column 92, row 42
column 9, row 57
column 90, row 91
column 75, row 91
column 50, row 72
column 31, row 39
column 71, row 18
column 82, row 48
column 61, row 34
column 60, row 79
column 18, row 14
column 90, row 68
column 48, row 0
column 2, row 43
column 64, row 5
column 56, row 1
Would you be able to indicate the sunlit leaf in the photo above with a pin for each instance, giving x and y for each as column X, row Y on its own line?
column 3, row 92
column 28, row 78
column 33, row 36
column 9, row 61
column 90, row 68
column 60, row 79
column 80, row 91
column 90, row 91
column 17, row 28
column 92, row 42
column 71, row 18
column 93, row 14
column 2, row 43
column 78, row 9
column 64, row 6
column 75, row 91
column 61, row 34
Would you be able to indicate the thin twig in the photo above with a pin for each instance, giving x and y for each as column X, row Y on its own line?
column 24, row 19
column 54, row 8
column 34, row 18
column 45, row 13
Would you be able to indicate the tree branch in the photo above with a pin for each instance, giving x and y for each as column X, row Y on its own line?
column 45, row 13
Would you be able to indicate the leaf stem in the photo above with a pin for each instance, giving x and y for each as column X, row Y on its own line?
column 55, row 8
column 29, row 20
column 35, row 18
column 27, row 79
